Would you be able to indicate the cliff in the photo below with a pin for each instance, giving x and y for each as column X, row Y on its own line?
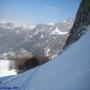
column 82, row 19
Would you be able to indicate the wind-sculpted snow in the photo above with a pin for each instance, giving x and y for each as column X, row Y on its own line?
column 69, row 71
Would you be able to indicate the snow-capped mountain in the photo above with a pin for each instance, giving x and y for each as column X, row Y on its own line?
column 34, row 39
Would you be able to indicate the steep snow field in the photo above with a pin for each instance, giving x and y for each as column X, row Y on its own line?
column 69, row 71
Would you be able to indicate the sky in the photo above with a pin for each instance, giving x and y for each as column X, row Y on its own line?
column 38, row 11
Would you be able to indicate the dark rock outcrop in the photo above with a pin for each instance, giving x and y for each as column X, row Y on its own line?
column 82, row 19
column 24, row 64
column 34, row 61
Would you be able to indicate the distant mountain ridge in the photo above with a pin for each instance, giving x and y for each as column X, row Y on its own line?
column 42, row 39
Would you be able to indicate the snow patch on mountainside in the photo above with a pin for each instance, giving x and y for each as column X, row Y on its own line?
column 57, row 31
column 47, row 52
column 42, row 36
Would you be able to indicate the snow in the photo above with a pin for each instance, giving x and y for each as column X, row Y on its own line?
column 47, row 52
column 36, row 33
column 64, row 21
column 57, row 31
column 4, row 55
column 42, row 36
column 4, row 68
column 55, row 55
column 17, row 32
column 69, row 71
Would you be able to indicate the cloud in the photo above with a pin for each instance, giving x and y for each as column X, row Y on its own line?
column 51, row 8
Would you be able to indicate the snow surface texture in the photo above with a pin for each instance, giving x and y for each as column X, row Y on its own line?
column 69, row 71
column 4, row 68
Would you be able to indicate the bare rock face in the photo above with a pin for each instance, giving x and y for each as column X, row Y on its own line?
column 82, row 19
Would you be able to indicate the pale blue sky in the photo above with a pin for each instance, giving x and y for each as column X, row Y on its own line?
column 38, row 11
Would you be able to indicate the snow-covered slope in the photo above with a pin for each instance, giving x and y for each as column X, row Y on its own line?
column 69, row 71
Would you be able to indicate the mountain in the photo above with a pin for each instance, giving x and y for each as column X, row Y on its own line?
column 69, row 71
column 43, row 39
column 82, row 19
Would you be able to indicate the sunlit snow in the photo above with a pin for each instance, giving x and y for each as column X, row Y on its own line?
column 57, row 31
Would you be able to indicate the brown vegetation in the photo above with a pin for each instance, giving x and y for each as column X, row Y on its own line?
column 26, row 63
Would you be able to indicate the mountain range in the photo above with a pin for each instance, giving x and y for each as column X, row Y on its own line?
column 40, row 40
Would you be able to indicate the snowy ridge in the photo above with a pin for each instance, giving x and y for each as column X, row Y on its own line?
column 69, row 71
column 57, row 31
